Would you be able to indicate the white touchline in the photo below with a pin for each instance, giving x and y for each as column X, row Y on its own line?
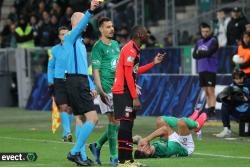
column 223, row 156
column 36, row 140
column 106, row 145
column 26, row 165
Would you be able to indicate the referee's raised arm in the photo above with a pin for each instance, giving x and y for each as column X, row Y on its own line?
column 79, row 22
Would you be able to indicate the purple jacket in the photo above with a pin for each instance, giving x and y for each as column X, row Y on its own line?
column 206, row 54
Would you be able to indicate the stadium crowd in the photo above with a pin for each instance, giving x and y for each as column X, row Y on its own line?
column 36, row 23
column 40, row 19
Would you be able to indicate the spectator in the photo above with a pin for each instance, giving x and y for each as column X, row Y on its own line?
column 122, row 36
column 247, row 26
column 235, row 27
column 235, row 102
column 7, row 34
column 45, row 30
column 41, row 9
column 185, row 38
column 19, row 5
column 88, row 37
column 65, row 20
column 168, row 40
column 35, row 27
column 221, row 28
column 244, row 52
column 24, row 34
column 205, row 54
column 13, row 15
column 152, row 42
column 56, row 10
column 54, row 30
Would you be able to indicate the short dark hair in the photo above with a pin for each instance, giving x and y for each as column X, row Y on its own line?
column 135, row 31
column 62, row 28
column 246, row 33
column 140, row 155
column 237, row 73
column 204, row 25
column 221, row 10
column 102, row 20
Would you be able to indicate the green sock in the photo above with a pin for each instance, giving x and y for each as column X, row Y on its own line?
column 171, row 121
column 190, row 123
column 102, row 139
column 112, row 138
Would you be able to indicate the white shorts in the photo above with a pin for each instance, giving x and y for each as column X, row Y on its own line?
column 186, row 142
column 104, row 107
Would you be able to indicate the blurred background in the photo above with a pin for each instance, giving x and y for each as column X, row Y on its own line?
column 173, row 28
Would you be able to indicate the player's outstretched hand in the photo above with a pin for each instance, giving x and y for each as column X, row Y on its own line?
column 94, row 4
column 158, row 58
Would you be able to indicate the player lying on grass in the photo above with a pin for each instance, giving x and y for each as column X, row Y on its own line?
column 170, row 143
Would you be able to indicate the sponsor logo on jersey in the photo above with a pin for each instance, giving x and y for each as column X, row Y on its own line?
column 113, row 64
column 130, row 59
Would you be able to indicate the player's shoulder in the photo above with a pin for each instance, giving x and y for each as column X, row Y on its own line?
column 115, row 42
column 97, row 44
column 128, row 49
column 56, row 47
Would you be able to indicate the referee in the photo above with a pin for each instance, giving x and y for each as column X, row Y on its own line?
column 56, row 80
column 77, row 84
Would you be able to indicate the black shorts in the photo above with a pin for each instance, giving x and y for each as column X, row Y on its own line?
column 207, row 79
column 123, row 107
column 79, row 95
column 61, row 96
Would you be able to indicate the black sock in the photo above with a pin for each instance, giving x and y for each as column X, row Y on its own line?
column 125, row 142
column 210, row 111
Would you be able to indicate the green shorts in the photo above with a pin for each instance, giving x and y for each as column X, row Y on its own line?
column 165, row 149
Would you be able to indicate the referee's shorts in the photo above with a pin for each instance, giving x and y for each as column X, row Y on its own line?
column 79, row 95
column 61, row 95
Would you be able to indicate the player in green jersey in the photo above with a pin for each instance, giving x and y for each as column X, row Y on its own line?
column 104, row 56
column 170, row 143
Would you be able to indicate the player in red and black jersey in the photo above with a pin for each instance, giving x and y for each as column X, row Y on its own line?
column 126, row 101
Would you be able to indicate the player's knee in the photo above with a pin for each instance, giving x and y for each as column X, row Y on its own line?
column 164, row 129
column 181, row 124
column 92, row 117
column 94, row 120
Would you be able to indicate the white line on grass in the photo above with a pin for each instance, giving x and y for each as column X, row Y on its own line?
column 223, row 156
column 36, row 140
column 106, row 145
column 25, row 165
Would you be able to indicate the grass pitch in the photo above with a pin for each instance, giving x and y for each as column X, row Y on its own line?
column 30, row 131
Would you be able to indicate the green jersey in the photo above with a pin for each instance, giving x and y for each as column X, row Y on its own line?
column 105, row 57
column 165, row 149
